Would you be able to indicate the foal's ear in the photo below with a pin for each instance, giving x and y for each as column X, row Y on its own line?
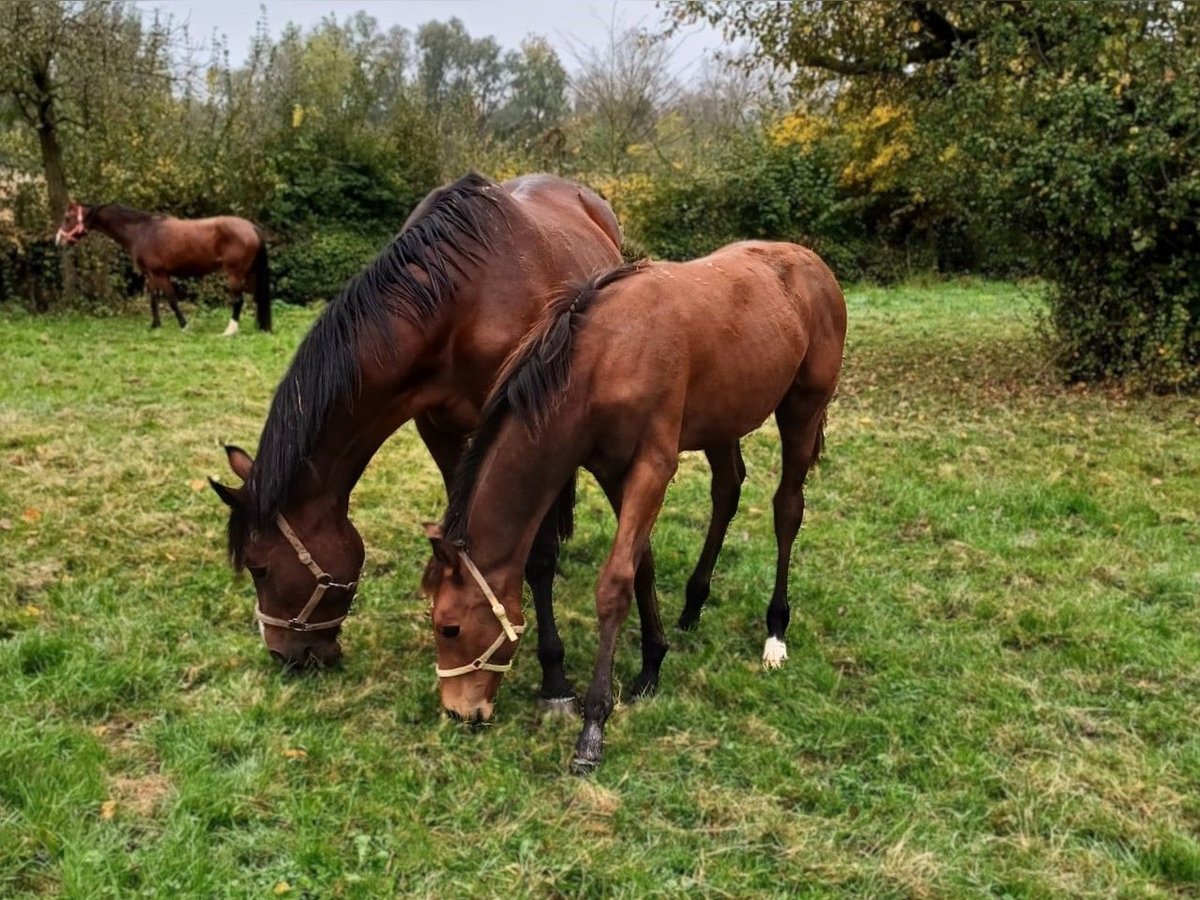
column 239, row 460
column 229, row 496
column 444, row 550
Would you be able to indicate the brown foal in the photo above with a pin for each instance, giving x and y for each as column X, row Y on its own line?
column 163, row 247
column 621, row 375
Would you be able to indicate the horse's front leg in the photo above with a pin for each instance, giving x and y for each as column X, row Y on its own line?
column 174, row 301
column 641, row 498
column 556, row 694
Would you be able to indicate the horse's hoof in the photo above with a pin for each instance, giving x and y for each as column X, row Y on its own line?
column 774, row 653
column 584, row 767
column 231, row 329
column 642, row 689
column 688, row 622
column 557, row 708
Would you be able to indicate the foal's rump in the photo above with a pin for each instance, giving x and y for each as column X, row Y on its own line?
column 717, row 342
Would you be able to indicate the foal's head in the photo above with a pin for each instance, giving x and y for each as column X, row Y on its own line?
column 73, row 227
column 474, row 649
column 305, row 566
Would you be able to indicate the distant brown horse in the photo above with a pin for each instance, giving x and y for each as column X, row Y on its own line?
column 163, row 247
column 623, row 374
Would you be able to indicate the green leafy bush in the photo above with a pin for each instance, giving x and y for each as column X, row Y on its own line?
column 316, row 265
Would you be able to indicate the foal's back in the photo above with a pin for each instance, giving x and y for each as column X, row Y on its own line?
column 710, row 347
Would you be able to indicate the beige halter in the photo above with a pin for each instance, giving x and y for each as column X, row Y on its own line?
column 508, row 631
column 324, row 582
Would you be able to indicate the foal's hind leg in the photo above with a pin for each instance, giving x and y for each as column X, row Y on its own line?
column 801, row 418
column 728, row 473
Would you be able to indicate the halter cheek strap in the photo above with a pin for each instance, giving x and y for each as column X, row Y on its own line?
column 324, row 582
column 508, row 631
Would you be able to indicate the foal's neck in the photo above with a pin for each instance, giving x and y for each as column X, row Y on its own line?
column 517, row 483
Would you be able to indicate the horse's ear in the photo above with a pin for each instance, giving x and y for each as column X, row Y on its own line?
column 239, row 460
column 231, row 497
column 443, row 549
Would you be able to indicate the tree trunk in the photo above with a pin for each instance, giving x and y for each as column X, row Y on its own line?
column 56, row 182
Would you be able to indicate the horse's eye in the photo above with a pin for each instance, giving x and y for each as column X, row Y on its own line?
column 449, row 631
column 258, row 573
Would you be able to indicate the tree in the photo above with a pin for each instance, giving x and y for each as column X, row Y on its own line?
column 1075, row 125
column 537, row 91
column 623, row 90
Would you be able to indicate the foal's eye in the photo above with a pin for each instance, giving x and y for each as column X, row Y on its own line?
column 257, row 572
column 449, row 631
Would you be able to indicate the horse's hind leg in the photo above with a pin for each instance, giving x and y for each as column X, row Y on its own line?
column 728, row 473
column 235, row 314
column 155, row 318
column 801, row 418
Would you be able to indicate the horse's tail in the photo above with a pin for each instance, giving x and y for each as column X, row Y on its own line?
column 262, row 284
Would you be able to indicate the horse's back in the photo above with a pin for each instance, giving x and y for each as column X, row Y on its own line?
column 738, row 327
column 568, row 214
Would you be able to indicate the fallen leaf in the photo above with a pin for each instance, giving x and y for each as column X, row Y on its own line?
column 31, row 610
column 196, row 484
column 282, row 888
column 295, row 753
column 108, row 809
column 5, row 524
column 31, row 514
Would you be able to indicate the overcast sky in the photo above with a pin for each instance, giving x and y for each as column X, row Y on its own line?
column 563, row 22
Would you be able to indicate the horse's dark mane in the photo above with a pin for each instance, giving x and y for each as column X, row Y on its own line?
column 411, row 278
column 530, row 387
column 116, row 214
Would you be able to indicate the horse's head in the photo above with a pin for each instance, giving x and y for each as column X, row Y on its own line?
column 74, row 225
column 305, row 565
column 475, row 640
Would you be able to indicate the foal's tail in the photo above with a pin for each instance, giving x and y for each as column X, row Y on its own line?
column 262, row 284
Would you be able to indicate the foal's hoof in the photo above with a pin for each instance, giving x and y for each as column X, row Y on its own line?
column 774, row 653
column 557, row 708
column 584, row 767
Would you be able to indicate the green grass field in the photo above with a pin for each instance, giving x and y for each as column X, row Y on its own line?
column 992, row 689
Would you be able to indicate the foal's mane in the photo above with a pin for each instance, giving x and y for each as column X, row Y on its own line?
column 411, row 278
column 529, row 387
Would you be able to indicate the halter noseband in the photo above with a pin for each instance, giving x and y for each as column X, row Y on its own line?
column 77, row 232
column 324, row 582
column 508, row 631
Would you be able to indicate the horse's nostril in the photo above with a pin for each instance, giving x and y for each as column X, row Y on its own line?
column 449, row 631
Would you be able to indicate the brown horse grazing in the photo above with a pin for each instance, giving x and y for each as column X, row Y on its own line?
column 419, row 334
column 623, row 374
column 163, row 247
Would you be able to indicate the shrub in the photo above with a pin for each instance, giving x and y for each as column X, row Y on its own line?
column 316, row 265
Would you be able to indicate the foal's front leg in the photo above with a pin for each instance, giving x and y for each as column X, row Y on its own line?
column 642, row 495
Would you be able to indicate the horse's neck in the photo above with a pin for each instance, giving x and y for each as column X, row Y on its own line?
column 122, row 228
column 390, row 396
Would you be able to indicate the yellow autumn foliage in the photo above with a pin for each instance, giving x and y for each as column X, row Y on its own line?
column 880, row 143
